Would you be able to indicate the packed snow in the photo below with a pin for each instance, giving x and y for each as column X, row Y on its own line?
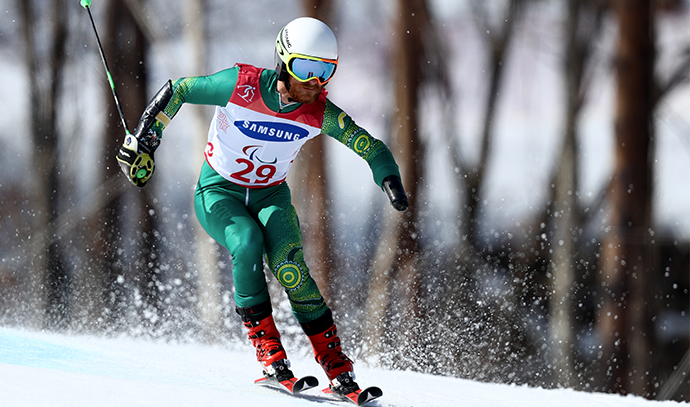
column 45, row 369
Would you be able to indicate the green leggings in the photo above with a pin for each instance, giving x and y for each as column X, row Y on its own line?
column 251, row 222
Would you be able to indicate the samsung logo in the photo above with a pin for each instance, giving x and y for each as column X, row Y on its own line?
column 269, row 131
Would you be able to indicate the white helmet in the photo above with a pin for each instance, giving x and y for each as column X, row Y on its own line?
column 307, row 49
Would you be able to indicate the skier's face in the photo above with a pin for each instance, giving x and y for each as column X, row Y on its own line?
column 304, row 92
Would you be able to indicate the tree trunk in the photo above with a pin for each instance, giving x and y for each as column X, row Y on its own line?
column 394, row 288
column 209, row 284
column 117, row 268
column 625, row 319
column 472, row 175
column 584, row 24
column 50, row 280
column 563, row 283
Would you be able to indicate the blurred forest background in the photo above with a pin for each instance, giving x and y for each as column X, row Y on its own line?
column 544, row 145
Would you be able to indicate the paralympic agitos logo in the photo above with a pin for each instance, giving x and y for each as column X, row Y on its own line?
column 270, row 131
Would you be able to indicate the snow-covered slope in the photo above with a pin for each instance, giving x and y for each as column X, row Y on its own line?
column 40, row 369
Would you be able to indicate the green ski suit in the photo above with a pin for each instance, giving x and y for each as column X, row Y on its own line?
column 249, row 211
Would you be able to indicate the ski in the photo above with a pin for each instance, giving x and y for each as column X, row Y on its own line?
column 292, row 386
column 359, row 397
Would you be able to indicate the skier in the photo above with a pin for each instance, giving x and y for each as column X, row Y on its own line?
column 262, row 119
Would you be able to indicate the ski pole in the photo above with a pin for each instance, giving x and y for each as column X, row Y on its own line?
column 87, row 5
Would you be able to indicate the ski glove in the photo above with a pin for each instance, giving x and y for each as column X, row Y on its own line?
column 136, row 154
column 136, row 158
column 395, row 192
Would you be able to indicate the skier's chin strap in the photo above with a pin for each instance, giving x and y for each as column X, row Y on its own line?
column 283, row 74
column 284, row 105
column 290, row 101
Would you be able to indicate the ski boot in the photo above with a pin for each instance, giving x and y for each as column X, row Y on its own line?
column 266, row 339
column 324, row 339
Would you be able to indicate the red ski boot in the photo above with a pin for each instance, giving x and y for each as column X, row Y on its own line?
column 269, row 350
column 329, row 354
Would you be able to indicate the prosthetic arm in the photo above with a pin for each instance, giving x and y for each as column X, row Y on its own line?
column 395, row 192
column 135, row 156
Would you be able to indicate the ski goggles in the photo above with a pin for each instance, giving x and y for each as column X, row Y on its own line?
column 305, row 68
